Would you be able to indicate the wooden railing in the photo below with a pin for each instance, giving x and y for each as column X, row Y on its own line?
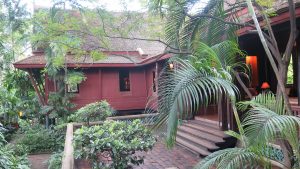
column 68, row 157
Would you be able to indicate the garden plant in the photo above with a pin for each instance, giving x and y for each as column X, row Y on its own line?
column 114, row 144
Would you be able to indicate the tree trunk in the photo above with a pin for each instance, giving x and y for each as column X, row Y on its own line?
column 283, row 69
column 269, row 55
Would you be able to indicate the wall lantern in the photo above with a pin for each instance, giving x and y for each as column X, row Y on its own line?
column 171, row 66
column 252, row 62
column 265, row 85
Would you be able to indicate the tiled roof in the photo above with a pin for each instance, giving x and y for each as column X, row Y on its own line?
column 133, row 58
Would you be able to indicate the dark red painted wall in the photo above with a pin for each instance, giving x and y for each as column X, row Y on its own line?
column 103, row 83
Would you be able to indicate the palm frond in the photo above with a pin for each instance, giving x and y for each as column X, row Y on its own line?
column 232, row 158
column 267, row 100
column 263, row 125
column 183, row 90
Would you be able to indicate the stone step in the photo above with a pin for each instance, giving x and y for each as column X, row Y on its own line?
column 206, row 129
column 201, row 134
column 192, row 147
column 210, row 146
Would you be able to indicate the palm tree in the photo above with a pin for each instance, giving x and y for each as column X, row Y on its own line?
column 201, row 79
column 265, row 122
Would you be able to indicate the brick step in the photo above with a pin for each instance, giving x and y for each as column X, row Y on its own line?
column 208, row 145
column 200, row 134
column 192, row 147
column 206, row 129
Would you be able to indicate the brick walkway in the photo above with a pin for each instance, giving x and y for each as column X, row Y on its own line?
column 38, row 161
column 162, row 158
column 159, row 158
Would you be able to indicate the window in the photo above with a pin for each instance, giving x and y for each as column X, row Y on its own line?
column 124, row 80
column 72, row 88
column 153, row 81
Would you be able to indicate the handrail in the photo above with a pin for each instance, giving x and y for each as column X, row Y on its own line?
column 68, row 157
column 128, row 117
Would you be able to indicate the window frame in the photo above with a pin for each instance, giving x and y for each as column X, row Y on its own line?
column 69, row 88
column 123, row 89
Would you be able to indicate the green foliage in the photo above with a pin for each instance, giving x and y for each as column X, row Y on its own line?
column 115, row 139
column 97, row 111
column 290, row 73
column 59, row 105
column 9, row 159
column 37, row 139
column 264, row 122
column 97, row 55
column 75, row 77
column 55, row 160
column 200, row 80
column 17, row 95
column 2, row 139
column 14, row 32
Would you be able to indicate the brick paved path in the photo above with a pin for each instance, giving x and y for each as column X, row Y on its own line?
column 38, row 161
column 161, row 158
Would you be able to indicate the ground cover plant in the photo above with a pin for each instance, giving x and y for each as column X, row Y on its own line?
column 55, row 160
column 37, row 139
column 114, row 144
column 9, row 159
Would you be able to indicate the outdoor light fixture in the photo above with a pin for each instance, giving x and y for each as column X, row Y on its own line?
column 265, row 85
column 171, row 65
column 252, row 62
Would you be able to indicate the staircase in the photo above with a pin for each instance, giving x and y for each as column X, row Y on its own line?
column 202, row 136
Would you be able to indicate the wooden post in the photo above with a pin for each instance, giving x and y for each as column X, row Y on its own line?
column 224, row 105
column 41, row 100
column 298, row 69
column 298, row 81
column 68, row 157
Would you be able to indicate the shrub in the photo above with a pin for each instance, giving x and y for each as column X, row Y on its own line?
column 55, row 161
column 97, row 111
column 38, row 139
column 9, row 159
column 118, row 141
column 2, row 139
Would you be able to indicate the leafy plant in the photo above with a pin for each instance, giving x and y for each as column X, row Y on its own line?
column 75, row 78
column 9, row 159
column 2, row 139
column 55, row 160
column 265, row 122
column 97, row 111
column 202, row 79
column 115, row 140
column 38, row 139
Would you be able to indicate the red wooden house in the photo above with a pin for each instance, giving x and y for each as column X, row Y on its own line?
column 126, row 78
